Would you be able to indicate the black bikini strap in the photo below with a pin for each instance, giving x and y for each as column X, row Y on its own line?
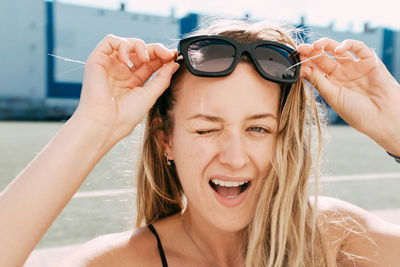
column 160, row 248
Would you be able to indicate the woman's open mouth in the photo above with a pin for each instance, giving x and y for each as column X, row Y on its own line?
column 229, row 193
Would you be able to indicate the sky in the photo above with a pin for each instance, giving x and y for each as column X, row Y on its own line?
column 344, row 14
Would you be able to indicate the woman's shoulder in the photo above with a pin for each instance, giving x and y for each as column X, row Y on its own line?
column 136, row 247
column 357, row 235
column 345, row 220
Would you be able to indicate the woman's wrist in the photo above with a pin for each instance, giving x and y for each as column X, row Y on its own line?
column 392, row 145
column 101, row 136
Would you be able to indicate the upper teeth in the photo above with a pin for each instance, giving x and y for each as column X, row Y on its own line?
column 227, row 183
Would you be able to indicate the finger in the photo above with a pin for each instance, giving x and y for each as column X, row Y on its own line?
column 157, row 86
column 155, row 51
column 112, row 43
column 136, row 61
column 316, row 55
column 175, row 52
column 326, row 88
column 158, row 50
column 330, row 45
column 325, row 42
column 144, row 72
column 138, row 47
column 360, row 49
column 305, row 50
column 325, row 63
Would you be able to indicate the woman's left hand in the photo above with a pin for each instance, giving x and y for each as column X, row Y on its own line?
column 359, row 88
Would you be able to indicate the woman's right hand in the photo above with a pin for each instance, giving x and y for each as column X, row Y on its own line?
column 113, row 96
column 113, row 101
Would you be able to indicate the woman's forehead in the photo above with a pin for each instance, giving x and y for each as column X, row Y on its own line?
column 244, row 91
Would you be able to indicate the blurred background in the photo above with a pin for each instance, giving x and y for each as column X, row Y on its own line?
column 35, row 84
column 39, row 91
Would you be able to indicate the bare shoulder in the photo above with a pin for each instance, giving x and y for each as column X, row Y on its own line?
column 360, row 237
column 132, row 248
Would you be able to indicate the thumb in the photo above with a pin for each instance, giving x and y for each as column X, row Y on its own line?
column 155, row 87
column 158, row 84
column 329, row 91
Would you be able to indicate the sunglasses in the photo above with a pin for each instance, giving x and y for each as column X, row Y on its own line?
column 216, row 56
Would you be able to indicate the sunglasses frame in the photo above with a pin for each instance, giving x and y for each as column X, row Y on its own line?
column 240, row 48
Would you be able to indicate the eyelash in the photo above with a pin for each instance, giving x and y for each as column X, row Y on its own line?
column 204, row 132
column 258, row 130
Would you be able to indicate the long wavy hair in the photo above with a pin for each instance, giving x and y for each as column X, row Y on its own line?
column 285, row 229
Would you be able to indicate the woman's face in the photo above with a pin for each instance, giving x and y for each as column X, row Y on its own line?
column 223, row 141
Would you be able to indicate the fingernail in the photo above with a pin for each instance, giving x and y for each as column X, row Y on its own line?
column 147, row 55
column 130, row 65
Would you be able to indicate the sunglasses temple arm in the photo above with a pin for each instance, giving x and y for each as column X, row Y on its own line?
column 179, row 57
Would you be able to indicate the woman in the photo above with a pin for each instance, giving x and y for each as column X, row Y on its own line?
column 237, row 144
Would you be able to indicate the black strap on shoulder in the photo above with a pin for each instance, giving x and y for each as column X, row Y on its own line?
column 160, row 248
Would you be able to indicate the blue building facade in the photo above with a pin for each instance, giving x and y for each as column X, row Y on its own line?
column 72, row 31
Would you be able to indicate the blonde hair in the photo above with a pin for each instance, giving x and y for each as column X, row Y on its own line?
column 285, row 230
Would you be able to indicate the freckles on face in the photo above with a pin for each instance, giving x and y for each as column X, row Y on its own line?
column 225, row 131
column 196, row 146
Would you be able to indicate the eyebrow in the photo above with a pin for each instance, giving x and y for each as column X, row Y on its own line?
column 219, row 119
column 261, row 116
column 206, row 117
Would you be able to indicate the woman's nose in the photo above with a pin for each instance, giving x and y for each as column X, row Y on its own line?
column 233, row 151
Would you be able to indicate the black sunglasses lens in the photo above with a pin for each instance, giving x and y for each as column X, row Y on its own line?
column 275, row 61
column 211, row 55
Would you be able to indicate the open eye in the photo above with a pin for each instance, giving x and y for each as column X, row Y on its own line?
column 259, row 130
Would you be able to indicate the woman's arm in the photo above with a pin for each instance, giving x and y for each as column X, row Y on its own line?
column 112, row 103
column 30, row 204
column 361, row 238
column 362, row 91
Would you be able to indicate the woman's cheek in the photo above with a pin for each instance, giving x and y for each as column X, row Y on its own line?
column 200, row 150
column 262, row 153
column 191, row 151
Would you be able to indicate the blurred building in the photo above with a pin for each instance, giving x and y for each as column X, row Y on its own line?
column 36, row 85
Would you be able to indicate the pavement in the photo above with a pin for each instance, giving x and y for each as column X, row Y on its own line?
column 49, row 257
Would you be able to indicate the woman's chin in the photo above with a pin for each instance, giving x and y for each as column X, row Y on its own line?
column 231, row 224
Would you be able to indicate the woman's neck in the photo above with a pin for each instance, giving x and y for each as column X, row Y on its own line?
column 218, row 246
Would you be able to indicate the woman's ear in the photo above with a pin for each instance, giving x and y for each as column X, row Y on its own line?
column 167, row 146
column 163, row 137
